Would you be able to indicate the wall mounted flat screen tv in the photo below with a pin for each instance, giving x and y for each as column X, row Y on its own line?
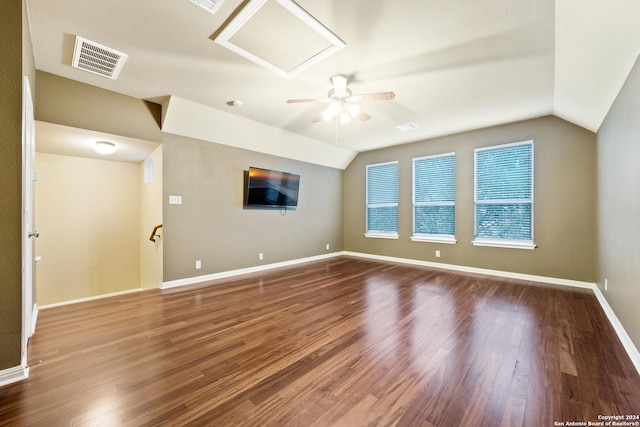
column 271, row 189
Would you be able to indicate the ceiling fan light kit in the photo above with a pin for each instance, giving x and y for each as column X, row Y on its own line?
column 343, row 105
column 334, row 108
column 353, row 109
column 344, row 110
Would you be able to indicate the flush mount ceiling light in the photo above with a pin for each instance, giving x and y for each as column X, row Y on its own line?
column 279, row 35
column 105, row 147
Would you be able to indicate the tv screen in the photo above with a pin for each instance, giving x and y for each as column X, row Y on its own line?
column 271, row 189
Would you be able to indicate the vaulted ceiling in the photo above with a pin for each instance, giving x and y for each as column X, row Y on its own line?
column 454, row 65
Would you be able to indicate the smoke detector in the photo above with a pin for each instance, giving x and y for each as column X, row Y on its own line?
column 407, row 127
column 97, row 59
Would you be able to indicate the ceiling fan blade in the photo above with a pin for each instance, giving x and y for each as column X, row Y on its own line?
column 301, row 100
column 378, row 96
column 363, row 116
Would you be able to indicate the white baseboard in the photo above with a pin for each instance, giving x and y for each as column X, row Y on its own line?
column 476, row 270
column 113, row 294
column 34, row 319
column 241, row 271
column 461, row 268
column 632, row 351
column 12, row 375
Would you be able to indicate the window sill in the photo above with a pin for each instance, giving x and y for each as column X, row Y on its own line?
column 505, row 244
column 449, row 240
column 382, row 235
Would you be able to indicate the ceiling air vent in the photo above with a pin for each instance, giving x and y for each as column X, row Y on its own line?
column 407, row 127
column 97, row 59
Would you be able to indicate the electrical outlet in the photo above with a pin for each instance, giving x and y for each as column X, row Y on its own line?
column 437, row 254
column 260, row 256
column 606, row 284
column 328, row 246
column 198, row 265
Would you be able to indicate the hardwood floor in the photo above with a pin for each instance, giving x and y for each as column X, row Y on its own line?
column 340, row 342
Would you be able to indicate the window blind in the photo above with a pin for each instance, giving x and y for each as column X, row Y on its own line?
column 504, row 192
column 382, row 198
column 434, row 194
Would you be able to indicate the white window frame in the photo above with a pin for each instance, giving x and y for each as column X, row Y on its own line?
column 379, row 234
column 423, row 237
column 503, row 243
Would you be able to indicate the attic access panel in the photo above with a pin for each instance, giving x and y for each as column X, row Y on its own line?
column 279, row 35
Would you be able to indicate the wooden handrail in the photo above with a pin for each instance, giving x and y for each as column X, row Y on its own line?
column 153, row 233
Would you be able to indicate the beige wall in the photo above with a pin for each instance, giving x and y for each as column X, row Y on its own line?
column 150, row 216
column 564, row 206
column 28, row 62
column 619, row 205
column 211, row 224
column 89, row 220
column 71, row 103
column 12, row 51
column 76, row 104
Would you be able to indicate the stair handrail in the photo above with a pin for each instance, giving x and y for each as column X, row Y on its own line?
column 154, row 233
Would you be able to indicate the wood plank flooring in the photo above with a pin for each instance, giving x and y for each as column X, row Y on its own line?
column 339, row 342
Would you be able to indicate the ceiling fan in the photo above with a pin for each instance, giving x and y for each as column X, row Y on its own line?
column 343, row 105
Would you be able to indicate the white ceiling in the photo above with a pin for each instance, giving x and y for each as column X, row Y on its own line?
column 69, row 141
column 455, row 65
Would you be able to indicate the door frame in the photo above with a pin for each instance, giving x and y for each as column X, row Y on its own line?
column 28, row 175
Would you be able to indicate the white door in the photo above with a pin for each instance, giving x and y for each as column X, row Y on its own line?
column 28, row 226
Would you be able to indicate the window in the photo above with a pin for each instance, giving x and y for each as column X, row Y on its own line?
column 382, row 200
column 149, row 170
column 504, row 195
column 434, row 198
